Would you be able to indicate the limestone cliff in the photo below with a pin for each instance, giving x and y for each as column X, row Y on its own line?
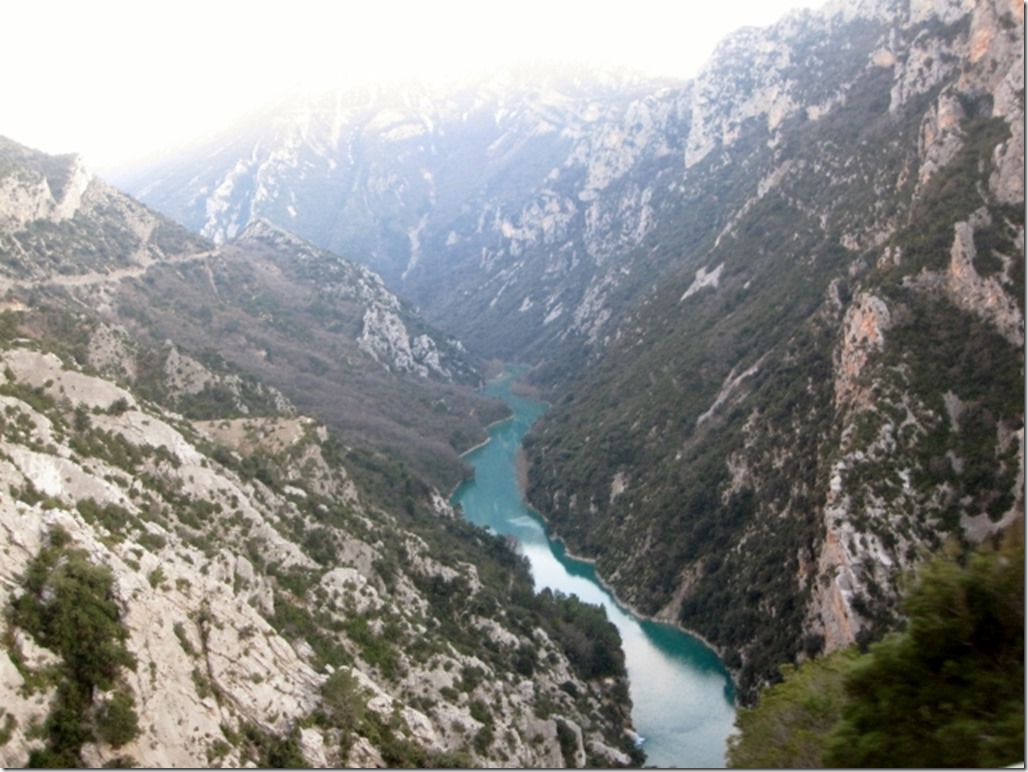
column 830, row 385
column 270, row 605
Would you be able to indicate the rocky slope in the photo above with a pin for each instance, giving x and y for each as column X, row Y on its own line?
column 197, row 573
column 833, row 382
column 272, row 611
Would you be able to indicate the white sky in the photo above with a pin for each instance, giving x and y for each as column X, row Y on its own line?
column 116, row 79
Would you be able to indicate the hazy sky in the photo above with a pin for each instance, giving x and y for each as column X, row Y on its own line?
column 115, row 80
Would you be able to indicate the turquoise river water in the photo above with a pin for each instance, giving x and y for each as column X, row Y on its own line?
column 683, row 699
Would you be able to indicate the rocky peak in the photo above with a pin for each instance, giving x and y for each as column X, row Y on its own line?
column 40, row 187
column 262, row 229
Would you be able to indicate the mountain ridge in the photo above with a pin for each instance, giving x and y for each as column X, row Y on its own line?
column 420, row 194
column 332, row 324
column 861, row 264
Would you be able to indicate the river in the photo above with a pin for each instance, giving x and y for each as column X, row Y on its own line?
column 681, row 694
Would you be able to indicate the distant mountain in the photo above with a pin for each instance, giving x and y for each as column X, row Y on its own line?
column 502, row 210
column 198, row 571
column 779, row 309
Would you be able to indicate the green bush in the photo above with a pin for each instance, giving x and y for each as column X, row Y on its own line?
column 789, row 726
column 116, row 721
column 343, row 706
column 946, row 692
column 6, row 732
column 949, row 690
column 68, row 606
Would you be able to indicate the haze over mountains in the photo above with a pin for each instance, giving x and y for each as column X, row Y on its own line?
column 450, row 197
column 778, row 309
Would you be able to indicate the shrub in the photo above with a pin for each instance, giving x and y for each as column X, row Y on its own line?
column 344, row 706
column 68, row 606
column 116, row 721
column 789, row 727
column 947, row 691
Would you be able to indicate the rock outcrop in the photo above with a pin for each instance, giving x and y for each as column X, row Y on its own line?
column 256, row 623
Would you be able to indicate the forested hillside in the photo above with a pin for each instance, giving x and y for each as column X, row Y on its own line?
column 833, row 384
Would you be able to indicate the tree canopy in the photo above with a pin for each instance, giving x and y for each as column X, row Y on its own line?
column 947, row 691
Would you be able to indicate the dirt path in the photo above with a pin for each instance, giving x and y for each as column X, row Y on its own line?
column 105, row 277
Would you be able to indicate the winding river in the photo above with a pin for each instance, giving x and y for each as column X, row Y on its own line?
column 682, row 696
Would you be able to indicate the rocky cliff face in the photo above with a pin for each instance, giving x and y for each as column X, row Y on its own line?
column 991, row 69
column 265, row 613
column 832, row 383
column 198, row 573
column 29, row 197
column 390, row 331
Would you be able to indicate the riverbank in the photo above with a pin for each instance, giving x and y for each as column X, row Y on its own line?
column 488, row 428
column 628, row 607
column 666, row 616
column 682, row 696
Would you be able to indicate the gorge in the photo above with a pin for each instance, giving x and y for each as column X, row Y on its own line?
column 757, row 300
column 683, row 701
column 776, row 312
